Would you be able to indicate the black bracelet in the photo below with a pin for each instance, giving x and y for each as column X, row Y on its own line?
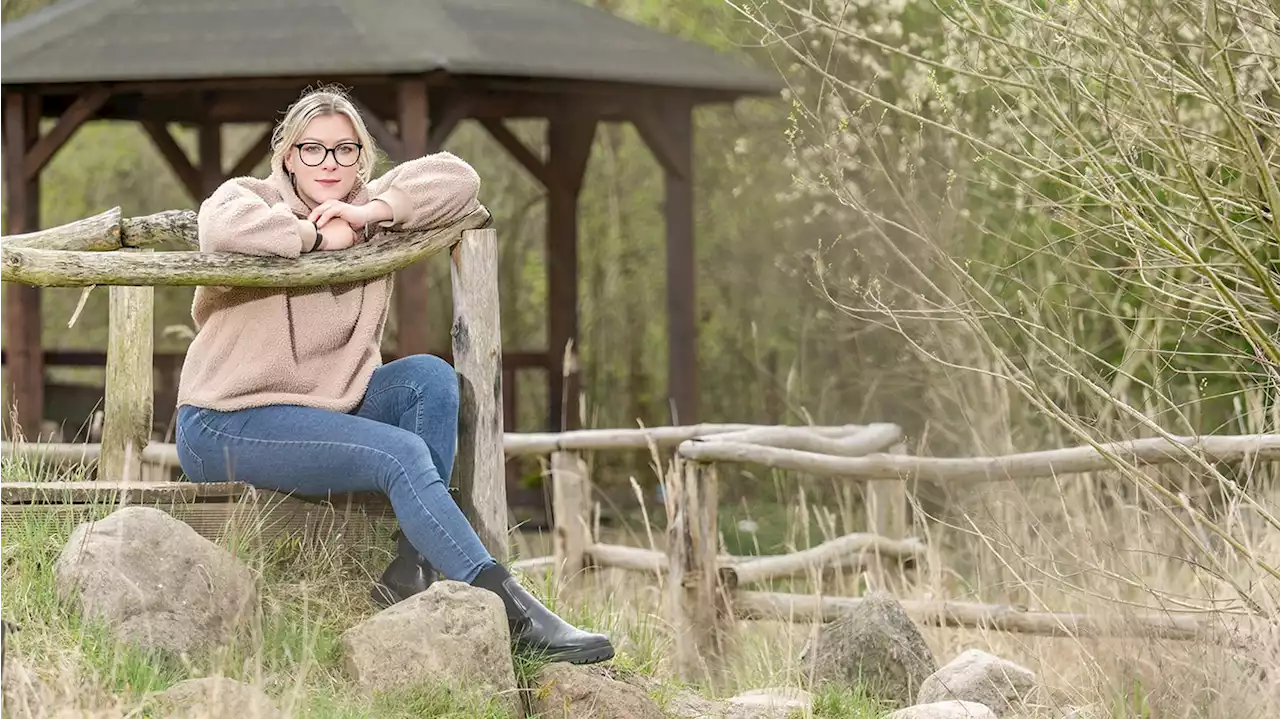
column 319, row 237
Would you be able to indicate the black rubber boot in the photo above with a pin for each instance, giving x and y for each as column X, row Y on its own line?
column 408, row 574
column 535, row 629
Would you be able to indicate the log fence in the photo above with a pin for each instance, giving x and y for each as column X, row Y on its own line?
column 705, row 590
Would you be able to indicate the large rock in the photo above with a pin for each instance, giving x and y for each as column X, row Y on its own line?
column 770, row 703
column 566, row 691
column 876, row 646
column 977, row 676
column 945, row 710
column 452, row 635
column 210, row 697
column 155, row 582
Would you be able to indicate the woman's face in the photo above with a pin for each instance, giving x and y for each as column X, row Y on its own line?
column 325, row 158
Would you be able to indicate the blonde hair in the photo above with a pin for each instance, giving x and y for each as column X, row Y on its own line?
column 326, row 100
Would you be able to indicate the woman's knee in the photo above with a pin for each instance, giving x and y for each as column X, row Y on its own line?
column 435, row 378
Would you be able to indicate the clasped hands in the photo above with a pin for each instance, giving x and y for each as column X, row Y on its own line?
column 342, row 224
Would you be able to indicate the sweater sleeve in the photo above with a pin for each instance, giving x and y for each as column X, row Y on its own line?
column 429, row 191
column 244, row 215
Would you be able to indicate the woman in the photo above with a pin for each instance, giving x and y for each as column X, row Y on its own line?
column 284, row 388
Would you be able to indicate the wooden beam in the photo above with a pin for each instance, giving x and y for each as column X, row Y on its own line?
column 252, row 156
column 187, row 174
column 499, row 131
column 682, row 301
column 656, row 134
column 382, row 134
column 413, row 334
column 445, row 117
column 22, row 317
column 569, row 140
column 211, row 175
column 80, row 112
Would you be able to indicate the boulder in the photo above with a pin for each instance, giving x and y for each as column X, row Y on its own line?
column 776, row 703
column 876, row 646
column 566, row 691
column 155, row 582
column 945, row 710
column 770, row 703
column 451, row 635
column 976, row 676
column 210, row 697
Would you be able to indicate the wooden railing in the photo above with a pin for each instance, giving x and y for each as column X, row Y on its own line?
column 112, row 250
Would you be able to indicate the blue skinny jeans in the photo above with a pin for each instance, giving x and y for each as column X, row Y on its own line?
column 400, row 441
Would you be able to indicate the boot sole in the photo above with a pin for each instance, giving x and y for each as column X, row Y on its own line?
column 591, row 654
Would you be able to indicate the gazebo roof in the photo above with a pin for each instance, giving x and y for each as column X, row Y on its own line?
column 86, row 41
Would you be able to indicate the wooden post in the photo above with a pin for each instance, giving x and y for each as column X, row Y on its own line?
column 22, row 324
column 571, row 507
column 569, row 138
column 682, row 306
column 696, row 597
column 127, row 424
column 887, row 503
column 413, row 334
column 477, row 356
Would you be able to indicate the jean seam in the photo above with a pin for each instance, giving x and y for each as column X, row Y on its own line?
column 457, row 547
column 182, row 440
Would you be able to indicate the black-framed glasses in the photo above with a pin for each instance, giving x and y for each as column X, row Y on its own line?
column 314, row 153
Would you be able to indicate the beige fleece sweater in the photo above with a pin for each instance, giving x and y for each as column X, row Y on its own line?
column 313, row 346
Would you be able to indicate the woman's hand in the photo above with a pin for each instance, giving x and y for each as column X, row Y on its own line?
column 338, row 235
column 356, row 216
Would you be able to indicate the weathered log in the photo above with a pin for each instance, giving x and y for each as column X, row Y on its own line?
column 1029, row 465
column 582, row 440
column 860, row 441
column 126, row 428
column 515, row 444
column 385, row 253
column 698, row 605
column 637, row 559
column 533, row 564
column 886, row 502
column 999, row 617
column 570, row 508
column 477, row 357
column 171, row 227
column 846, row 551
column 92, row 234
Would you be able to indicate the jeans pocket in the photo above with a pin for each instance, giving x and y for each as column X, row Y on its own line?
column 187, row 431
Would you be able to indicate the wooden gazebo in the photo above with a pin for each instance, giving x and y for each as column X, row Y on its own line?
column 419, row 67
